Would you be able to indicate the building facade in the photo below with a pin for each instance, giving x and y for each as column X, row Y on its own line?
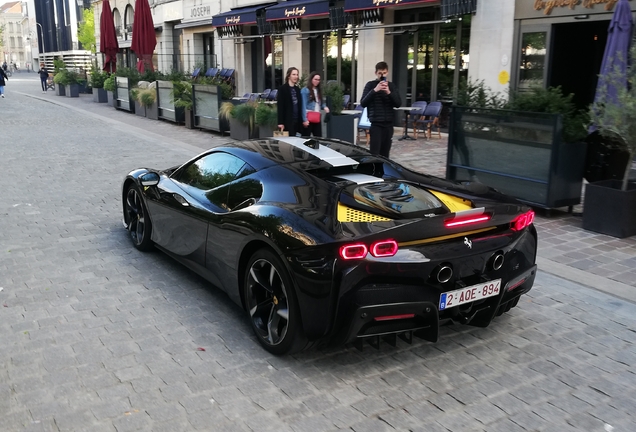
column 528, row 43
column 15, row 35
column 427, row 43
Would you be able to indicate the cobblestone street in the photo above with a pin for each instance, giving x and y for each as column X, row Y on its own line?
column 97, row 336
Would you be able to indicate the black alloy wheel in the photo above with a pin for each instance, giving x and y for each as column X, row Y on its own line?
column 137, row 220
column 271, row 303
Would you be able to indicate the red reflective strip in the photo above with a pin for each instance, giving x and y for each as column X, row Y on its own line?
column 466, row 221
column 510, row 288
column 394, row 317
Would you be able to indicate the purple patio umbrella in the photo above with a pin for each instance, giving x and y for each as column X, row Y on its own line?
column 107, row 38
column 144, row 38
column 616, row 55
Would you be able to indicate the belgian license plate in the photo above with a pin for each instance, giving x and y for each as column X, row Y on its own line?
column 469, row 294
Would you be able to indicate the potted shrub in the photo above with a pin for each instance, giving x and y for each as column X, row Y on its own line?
column 111, row 87
column 97, row 83
column 242, row 119
column 266, row 118
column 70, row 80
column 145, row 97
column 610, row 205
column 181, row 97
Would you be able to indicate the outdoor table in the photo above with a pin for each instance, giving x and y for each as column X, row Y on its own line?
column 406, row 111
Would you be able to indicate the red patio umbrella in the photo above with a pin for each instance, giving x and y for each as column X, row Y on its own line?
column 143, row 39
column 107, row 38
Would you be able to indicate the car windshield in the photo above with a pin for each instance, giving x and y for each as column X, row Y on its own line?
column 396, row 197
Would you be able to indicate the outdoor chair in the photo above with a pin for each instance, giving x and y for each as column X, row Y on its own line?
column 50, row 84
column 429, row 118
column 265, row 94
column 253, row 97
column 212, row 72
column 345, row 101
column 363, row 124
column 195, row 73
column 272, row 95
column 229, row 76
column 416, row 112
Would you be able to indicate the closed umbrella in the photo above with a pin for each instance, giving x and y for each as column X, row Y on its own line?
column 616, row 55
column 107, row 38
column 143, row 39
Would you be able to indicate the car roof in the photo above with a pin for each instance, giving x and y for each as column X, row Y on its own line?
column 299, row 152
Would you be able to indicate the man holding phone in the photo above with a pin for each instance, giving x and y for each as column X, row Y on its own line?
column 379, row 98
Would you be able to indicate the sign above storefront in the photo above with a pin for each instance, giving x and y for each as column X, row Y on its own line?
column 297, row 9
column 354, row 5
column 525, row 9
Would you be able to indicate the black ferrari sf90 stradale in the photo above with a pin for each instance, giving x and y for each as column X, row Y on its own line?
column 322, row 242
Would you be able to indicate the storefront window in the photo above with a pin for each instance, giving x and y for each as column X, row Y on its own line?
column 533, row 55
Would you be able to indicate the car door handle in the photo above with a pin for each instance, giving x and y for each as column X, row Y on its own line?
column 181, row 200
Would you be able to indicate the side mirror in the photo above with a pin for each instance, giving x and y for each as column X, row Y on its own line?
column 149, row 179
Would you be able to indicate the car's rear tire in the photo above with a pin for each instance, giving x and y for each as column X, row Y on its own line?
column 137, row 220
column 271, row 303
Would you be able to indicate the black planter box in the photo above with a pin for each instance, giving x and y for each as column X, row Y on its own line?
column 609, row 210
column 241, row 132
column 100, row 95
column 343, row 127
column 72, row 90
column 60, row 90
column 189, row 118
column 152, row 112
column 140, row 109
column 112, row 99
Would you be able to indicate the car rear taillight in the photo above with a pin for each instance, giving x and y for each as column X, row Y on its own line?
column 379, row 249
column 353, row 251
column 385, row 248
column 522, row 221
column 468, row 220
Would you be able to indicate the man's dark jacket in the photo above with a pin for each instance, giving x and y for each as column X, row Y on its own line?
column 380, row 105
column 285, row 107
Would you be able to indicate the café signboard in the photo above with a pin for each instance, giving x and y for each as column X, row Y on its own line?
column 525, row 9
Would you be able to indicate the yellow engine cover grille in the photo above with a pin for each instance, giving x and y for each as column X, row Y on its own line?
column 347, row 214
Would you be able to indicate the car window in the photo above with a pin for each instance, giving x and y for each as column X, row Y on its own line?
column 243, row 190
column 212, row 171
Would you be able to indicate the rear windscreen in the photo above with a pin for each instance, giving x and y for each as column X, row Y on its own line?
column 396, row 197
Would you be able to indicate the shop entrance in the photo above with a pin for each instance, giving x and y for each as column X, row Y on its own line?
column 576, row 57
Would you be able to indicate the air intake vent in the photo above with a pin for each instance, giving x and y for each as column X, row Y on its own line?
column 347, row 214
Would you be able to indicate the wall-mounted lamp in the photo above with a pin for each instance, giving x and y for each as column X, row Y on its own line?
column 581, row 17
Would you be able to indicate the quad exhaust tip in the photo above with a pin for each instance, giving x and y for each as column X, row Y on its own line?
column 498, row 261
column 444, row 273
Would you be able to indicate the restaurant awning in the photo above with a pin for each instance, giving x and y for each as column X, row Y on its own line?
column 451, row 8
column 239, row 16
column 355, row 5
column 297, row 9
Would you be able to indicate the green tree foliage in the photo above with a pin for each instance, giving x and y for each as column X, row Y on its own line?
column 615, row 116
column 86, row 31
